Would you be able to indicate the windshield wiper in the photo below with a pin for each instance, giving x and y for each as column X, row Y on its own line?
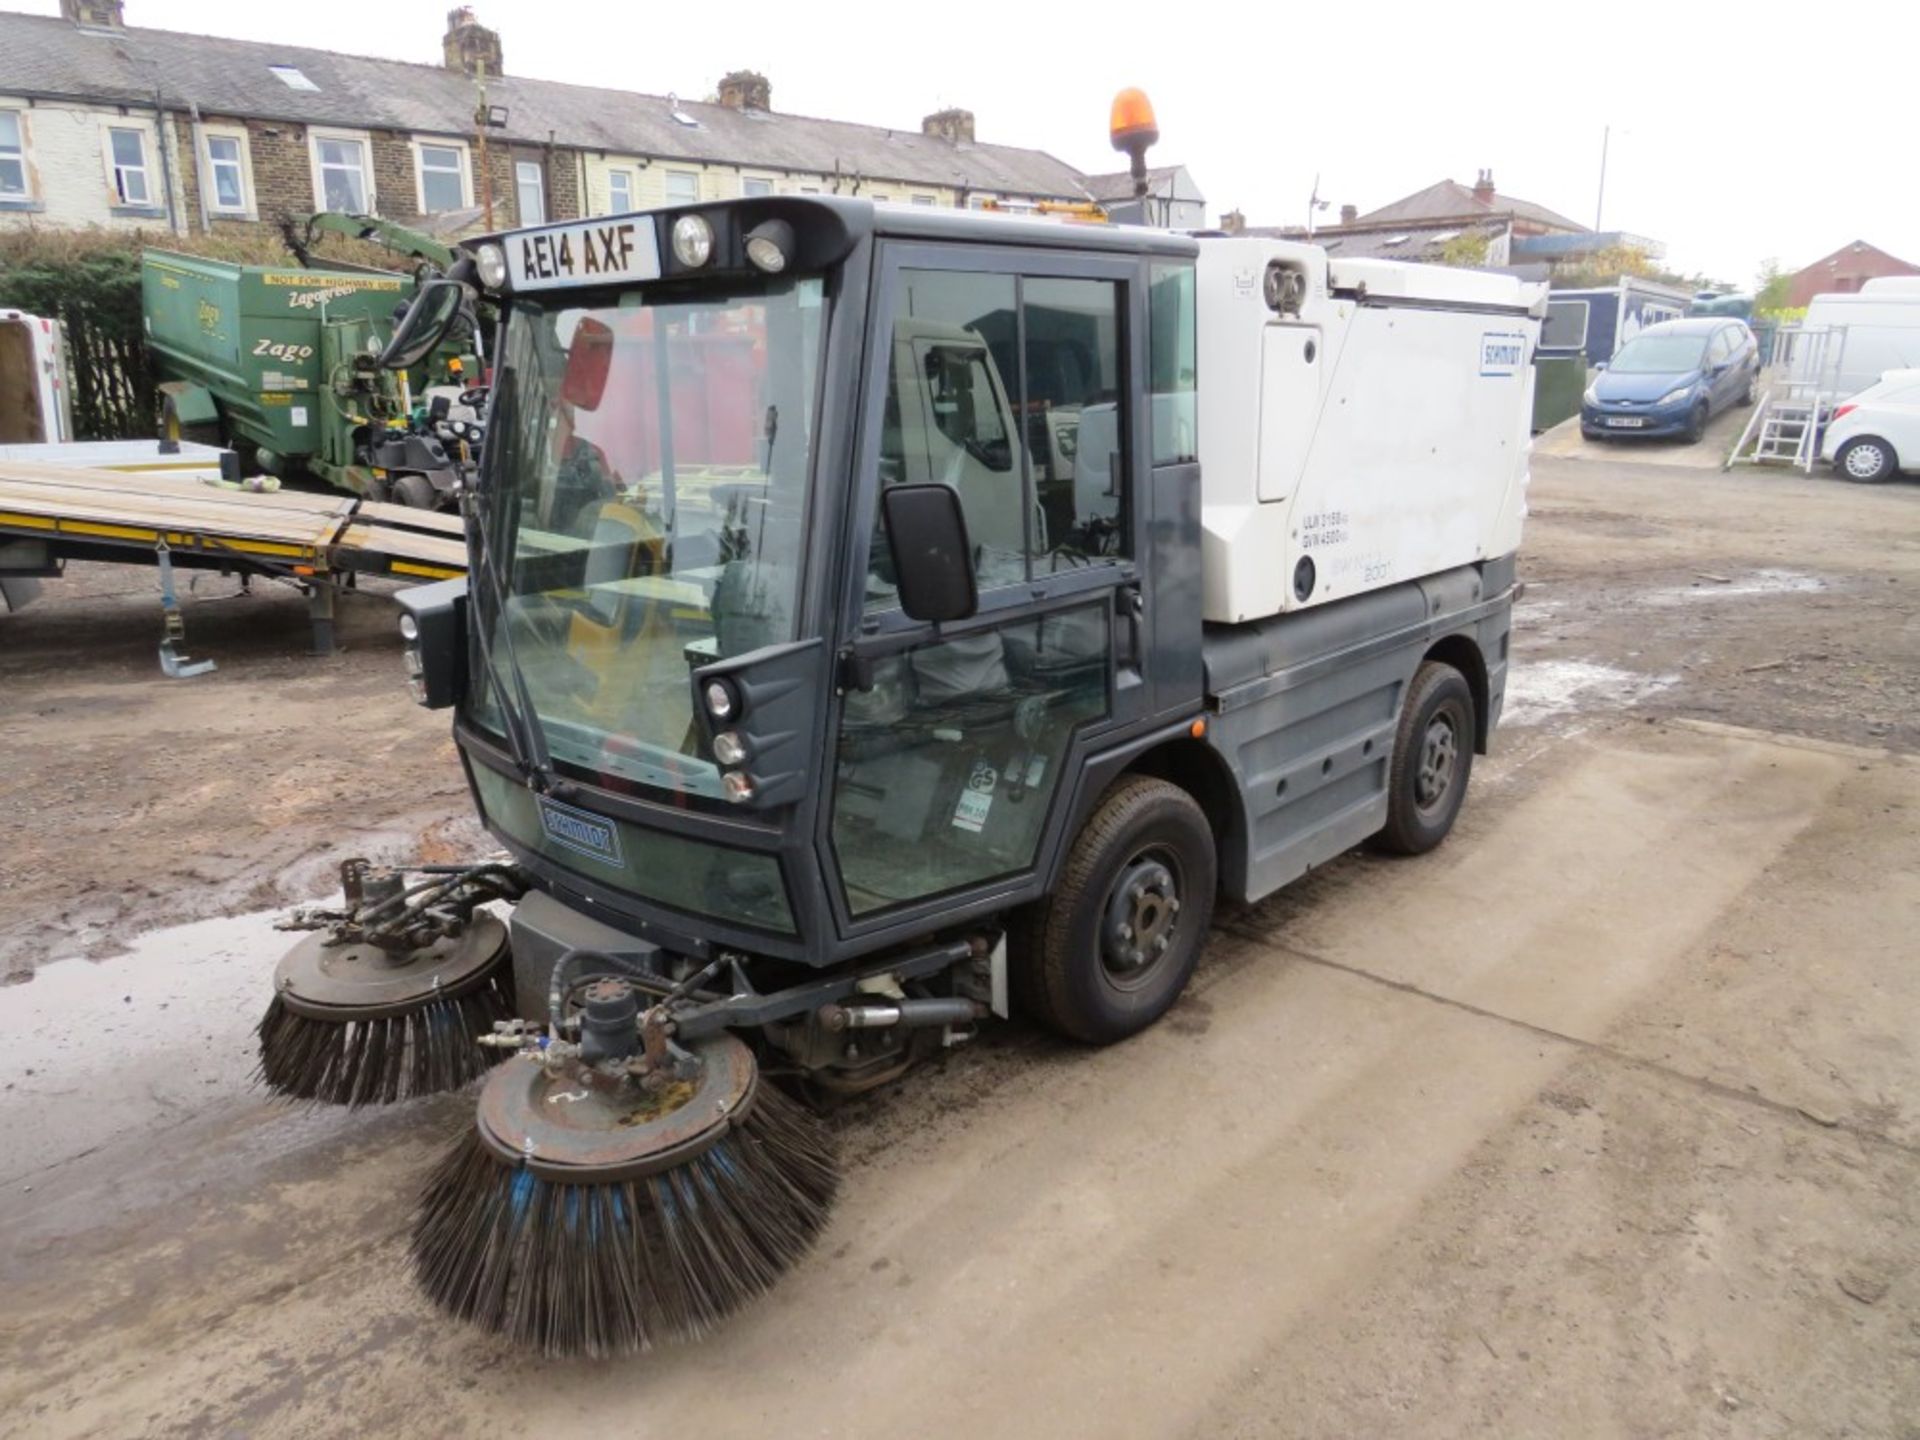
column 518, row 720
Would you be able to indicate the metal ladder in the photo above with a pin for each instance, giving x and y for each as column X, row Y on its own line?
column 1785, row 426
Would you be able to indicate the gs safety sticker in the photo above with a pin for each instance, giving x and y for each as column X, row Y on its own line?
column 977, row 799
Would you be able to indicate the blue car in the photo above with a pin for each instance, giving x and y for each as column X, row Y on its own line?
column 1671, row 379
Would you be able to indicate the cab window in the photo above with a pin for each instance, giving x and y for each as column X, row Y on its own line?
column 1009, row 389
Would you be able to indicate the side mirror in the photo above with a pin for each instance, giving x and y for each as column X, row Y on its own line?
column 932, row 557
column 435, row 308
column 1600, row 365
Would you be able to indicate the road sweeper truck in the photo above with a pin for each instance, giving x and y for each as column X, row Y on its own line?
column 881, row 620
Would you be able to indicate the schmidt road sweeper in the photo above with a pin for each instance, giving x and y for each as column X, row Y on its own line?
column 881, row 619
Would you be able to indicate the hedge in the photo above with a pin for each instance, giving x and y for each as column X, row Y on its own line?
column 89, row 280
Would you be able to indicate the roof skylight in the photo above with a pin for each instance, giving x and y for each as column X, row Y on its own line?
column 290, row 76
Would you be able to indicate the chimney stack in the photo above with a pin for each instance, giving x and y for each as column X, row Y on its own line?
column 470, row 46
column 746, row 90
column 100, row 14
column 1483, row 188
column 1233, row 223
column 953, row 126
column 1349, row 214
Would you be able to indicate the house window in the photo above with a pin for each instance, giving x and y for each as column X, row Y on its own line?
column 443, row 178
column 13, row 156
column 530, row 184
column 130, row 166
column 343, row 174
column 923, row 200
column 226, row 175
column 683, row 187
column 619, row 191
column 754, row 185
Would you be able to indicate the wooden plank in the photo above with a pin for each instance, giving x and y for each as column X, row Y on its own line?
column 381, row 539
column 409, row 517
column 151, row 486
column 305, row 529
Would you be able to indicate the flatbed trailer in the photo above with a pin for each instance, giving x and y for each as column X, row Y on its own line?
column 51, row 513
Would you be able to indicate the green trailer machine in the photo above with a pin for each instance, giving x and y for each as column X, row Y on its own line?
column 282, row 364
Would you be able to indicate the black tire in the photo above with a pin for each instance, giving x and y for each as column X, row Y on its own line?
column 1432, row 761
column 1752, row 393
column 1697, row 422
column 1866, row 460
column 416, row 490
column 1143, row 867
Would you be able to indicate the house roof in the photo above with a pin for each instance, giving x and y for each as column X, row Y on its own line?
column 1857, row 247
column 1450, row 200
column 1118, row 184
column 44, row 56
column 1385, row 242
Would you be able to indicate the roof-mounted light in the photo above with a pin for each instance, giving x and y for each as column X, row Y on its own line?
column 490, row 263
column 770, row 245
column 692, row 241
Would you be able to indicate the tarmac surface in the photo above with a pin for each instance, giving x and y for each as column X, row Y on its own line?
column 1604, row 1119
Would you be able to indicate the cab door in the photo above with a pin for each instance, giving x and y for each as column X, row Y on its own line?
column 1005, row 375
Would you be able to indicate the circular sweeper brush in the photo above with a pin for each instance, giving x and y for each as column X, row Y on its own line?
column 602, row 1205
column 357, row 1023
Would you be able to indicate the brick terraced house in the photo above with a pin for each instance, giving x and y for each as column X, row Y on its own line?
column 106, row 124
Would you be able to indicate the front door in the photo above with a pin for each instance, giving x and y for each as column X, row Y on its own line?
column 1003, row 376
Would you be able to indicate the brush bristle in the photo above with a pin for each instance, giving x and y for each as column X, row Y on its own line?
column 377, row 1062
column 611, row 1269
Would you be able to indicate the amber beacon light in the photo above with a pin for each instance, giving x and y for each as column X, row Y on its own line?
column 1134, row 130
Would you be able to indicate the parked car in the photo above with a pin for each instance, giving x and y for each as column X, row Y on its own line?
column 1876, row 434
column 1671, row 379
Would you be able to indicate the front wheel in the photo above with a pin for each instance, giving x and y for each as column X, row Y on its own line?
column 1109, row 951
column 1867, row 460
column 1697, row 423
column 1432, row 761
column 416, row 490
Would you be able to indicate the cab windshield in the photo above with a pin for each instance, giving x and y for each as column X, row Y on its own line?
column 645, row 488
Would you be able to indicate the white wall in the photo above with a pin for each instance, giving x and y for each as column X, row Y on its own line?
column 727, row 182
column 68, row 172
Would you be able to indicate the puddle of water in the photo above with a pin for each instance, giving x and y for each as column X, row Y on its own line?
column 96, row 1050
column 1540, row 690
column 1760, row 582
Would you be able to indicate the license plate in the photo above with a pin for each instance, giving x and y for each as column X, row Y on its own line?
column 598, row 252
column 1626, row 422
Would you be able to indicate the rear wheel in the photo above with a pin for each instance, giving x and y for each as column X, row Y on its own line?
column 1432, row 761
column 1867, row 460
column 1109, row 951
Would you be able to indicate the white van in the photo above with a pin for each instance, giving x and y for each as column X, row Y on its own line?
column 35, row 402
column 1882, row 323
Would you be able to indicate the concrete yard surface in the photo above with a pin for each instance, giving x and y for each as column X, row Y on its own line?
column 1601, row 1120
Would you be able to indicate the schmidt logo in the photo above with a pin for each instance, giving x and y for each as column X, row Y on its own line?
column 580, row 832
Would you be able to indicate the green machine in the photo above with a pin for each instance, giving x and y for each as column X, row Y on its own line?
column 282, row 363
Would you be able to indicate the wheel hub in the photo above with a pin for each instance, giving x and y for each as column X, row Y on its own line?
column 1863, row 460
column 1439, row 748
column 1141, row 915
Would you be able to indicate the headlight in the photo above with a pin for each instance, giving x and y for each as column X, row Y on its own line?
column 692, row 240
column 722, row 703
column 409, row 627
column 1675, row 397
column 729, row 748
column 491, row 263
column 769, row 244
column 736, row 787
column 1592, row 397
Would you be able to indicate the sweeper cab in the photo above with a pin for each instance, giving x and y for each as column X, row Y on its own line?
column 882, row 620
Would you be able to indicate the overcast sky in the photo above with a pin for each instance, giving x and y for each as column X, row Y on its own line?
column 1739, row 131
